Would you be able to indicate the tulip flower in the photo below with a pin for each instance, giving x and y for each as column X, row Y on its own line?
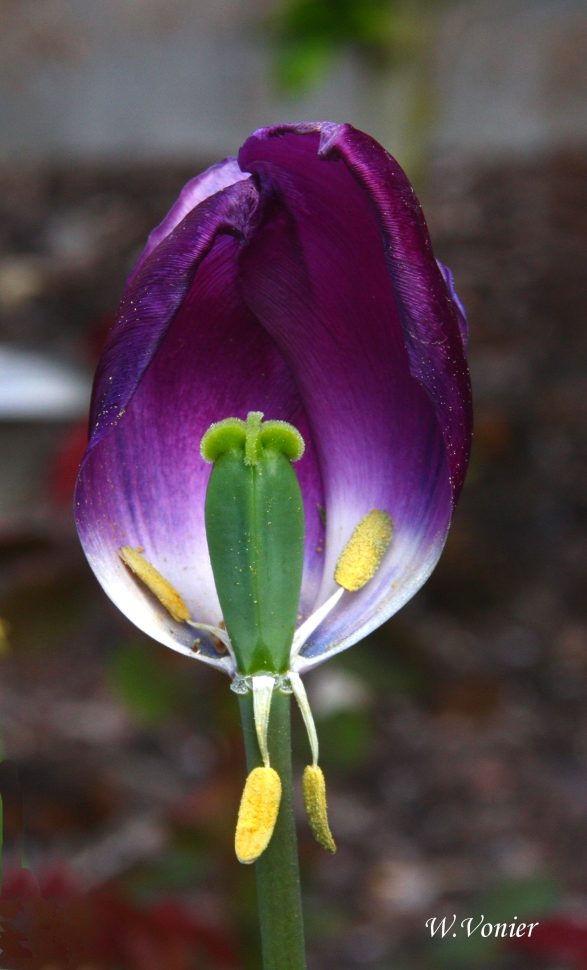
column 296, row 284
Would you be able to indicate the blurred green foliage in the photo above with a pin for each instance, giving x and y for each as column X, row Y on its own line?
column 309, row 34
column 177, row 869
column 43, row 614
column 392, row 661
column 324, row 920
column 146, row 682
column 346, row 739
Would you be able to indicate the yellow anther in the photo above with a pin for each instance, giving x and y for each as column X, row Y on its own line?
column 314, row 788
column 362, row 555
column 257, row 814
column 151, row 577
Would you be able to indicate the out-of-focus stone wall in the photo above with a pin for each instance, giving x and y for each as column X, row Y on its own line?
column 512, row 78
column 103, row 79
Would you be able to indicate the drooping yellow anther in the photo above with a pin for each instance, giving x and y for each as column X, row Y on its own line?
column 362, row 555
column 314, row 788
column 257, row 814
column 159, row 586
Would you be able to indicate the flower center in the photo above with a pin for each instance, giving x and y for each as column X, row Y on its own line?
column 255, row 530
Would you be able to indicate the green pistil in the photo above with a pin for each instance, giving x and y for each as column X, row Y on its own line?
column 255, row 531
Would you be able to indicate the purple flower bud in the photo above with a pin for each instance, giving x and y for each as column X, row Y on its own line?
column 300, row 282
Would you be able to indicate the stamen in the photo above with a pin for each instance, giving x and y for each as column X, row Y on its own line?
column 308, row 626
column 314, row 788
column 159, row 586
column 362, row 555
column 304, row 705
column 169, row 597
column 263, row 686
column 216, row 631
column 357, row 564
column 257, row 814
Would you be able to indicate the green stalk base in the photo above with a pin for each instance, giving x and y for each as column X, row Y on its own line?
column 278, row 874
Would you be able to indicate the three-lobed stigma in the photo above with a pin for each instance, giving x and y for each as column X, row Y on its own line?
column 251, row 436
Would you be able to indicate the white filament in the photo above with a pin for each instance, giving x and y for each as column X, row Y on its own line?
column 263, row 685
column 304, row 705
column 308, row 626
column 216, row 631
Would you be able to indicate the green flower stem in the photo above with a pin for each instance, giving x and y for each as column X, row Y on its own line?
column 278, row 875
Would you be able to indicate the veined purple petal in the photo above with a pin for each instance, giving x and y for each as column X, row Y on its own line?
column 207, row 183
column 315, row 274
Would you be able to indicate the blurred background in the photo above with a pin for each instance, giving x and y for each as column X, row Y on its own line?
column 454, row 739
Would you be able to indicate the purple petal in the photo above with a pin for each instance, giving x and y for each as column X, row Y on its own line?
column 154, row 296
column 315, row 274
column 198, row 189
column 143, row 481
column 431, row 320
column 461, row 312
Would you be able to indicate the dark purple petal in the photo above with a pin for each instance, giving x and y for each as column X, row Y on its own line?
column 154, row 296
column 431, row 321
column 315, row 274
